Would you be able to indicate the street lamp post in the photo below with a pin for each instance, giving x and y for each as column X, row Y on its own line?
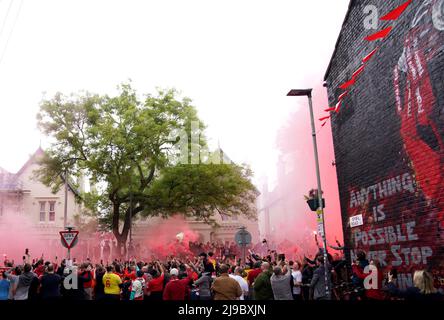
column 65, row 212
column 307, row 92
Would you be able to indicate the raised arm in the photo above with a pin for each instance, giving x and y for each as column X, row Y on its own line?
column 339, row 248
column 161, row 268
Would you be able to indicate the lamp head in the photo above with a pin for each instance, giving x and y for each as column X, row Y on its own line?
column 299, row 92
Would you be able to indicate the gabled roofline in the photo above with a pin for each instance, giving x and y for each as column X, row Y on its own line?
column 347, row 15
column 30, row 161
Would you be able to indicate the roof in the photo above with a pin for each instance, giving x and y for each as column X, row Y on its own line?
column 223, row 156
column 38, row 152
column 347, row 15
column 8, row 181
column 12, row 182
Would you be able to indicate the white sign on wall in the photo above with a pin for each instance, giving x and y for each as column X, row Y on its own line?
column 356, row 221
column 320, row 229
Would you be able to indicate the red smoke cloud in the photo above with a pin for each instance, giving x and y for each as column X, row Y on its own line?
column 17, row 234
column 162, row 240
column 297, row 175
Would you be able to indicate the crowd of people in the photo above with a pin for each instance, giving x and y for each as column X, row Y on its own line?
column 208, row 276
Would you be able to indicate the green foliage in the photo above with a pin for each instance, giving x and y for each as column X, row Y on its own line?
column 129, row 149
column 201, row 190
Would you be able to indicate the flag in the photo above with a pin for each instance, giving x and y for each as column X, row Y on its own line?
column 330, row 109
column 323, row 124
column 394, row 14
column 379, row 35
column 324, row 118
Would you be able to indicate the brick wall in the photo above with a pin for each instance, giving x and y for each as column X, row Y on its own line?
column 389, row 137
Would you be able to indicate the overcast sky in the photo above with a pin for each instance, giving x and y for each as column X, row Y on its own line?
column 235, row 59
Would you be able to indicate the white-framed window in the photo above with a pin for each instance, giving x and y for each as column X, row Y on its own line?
column 52, row 211
column 42, row 205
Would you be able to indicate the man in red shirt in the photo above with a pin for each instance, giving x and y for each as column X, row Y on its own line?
column 89, row 285
column 130, row 272
column 39, row 269
column 155, row 286
column 254, row 273
column 176, row 289
column 375, row 292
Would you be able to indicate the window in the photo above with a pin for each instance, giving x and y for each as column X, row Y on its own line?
column 224, row 217
column 42, row 211
column 234, row 217
column 52, row 211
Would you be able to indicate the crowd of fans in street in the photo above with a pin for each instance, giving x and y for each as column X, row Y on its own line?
column 206, row 276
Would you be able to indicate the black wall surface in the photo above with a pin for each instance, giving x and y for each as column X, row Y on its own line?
column 389, row 136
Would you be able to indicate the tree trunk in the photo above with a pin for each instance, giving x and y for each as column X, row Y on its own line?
column 121, row 237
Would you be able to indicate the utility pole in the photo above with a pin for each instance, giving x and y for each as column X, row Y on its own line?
column 307, row 92
column 65, row 214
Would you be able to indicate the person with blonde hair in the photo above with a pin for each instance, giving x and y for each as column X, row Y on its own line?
column 423, row 288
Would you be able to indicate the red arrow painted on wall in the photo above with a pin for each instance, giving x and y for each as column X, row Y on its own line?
column 396, row 13
column 347, row 84
column 379, row 35
column 369, row 56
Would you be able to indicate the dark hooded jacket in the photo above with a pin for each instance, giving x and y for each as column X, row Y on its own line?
column 24, row 283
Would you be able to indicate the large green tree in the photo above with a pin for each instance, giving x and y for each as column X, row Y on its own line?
column 133, row 151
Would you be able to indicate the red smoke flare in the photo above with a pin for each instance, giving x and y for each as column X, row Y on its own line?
column 290, row 217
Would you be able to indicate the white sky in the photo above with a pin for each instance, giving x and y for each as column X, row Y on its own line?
column 235, row 59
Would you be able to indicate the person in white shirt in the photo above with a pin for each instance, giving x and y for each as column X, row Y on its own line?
column 138, row 287
column 297, row 281
column 242, row 282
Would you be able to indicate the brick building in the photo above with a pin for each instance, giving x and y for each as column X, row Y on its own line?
column 389, row 135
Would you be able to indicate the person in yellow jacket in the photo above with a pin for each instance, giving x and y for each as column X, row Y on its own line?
column 111, row 282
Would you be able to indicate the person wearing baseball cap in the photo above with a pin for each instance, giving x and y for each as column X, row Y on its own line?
column 176, row 289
